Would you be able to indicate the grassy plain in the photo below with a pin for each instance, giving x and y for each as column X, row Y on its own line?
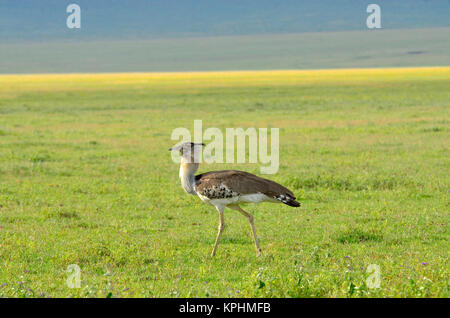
column 86, row 179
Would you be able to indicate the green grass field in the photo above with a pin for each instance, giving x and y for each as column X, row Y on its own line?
column 86, row 179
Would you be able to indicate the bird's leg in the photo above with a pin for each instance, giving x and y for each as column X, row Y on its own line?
column 221, row 228
column 252, row 224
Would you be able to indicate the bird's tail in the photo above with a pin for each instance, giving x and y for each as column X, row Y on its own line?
column 292, row 202
column 288, row 199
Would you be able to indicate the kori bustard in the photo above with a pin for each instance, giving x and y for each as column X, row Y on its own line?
column 228, row 188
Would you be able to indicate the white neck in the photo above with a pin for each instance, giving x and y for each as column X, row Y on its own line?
column 187, row 176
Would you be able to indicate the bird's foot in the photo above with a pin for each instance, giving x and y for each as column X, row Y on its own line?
column 258, row 252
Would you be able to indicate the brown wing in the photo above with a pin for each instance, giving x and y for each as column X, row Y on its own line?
column 242, row 182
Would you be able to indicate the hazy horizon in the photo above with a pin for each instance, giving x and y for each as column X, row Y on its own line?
column 199, row 35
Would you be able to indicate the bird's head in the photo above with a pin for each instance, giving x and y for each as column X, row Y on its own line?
column 189, row 151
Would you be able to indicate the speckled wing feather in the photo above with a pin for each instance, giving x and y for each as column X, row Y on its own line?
column 228, row 183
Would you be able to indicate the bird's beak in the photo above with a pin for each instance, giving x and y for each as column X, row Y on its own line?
column 170, row 149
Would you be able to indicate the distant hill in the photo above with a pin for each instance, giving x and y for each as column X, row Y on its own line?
column 43, row 20
column 368, row 48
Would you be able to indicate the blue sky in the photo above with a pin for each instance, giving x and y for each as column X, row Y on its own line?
column 45, row 19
